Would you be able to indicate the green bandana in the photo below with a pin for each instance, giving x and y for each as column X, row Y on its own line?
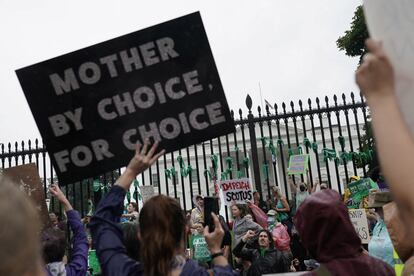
column 262, row 251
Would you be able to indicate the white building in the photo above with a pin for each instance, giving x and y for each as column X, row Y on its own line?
column 276, row 168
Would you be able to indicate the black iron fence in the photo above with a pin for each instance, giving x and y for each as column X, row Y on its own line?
column 329, row 130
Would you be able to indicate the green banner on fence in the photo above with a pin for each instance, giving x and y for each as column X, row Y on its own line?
column 298, row 164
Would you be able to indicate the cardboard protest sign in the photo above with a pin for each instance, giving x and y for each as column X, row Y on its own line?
column 359, row 191
column 360, row 222
column 392, row 22
column 93, row 105
column 28, row 180
column 147, row 192
column 298, row 164
column 237, row 191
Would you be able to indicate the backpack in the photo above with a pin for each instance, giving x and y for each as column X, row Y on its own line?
column 281, row 237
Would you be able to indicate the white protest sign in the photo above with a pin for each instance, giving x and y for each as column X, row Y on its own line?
column 360, row 222
column 147, row 192
column 392, row 22
column 236, row 191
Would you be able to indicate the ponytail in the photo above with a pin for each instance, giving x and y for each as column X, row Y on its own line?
column 162, row 225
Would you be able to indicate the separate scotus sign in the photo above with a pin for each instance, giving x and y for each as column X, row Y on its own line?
column 93, row 105
column 236, row 191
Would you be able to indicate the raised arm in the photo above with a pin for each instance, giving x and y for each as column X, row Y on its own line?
column 141, row 161
column 78, row 264
column 315, row 185
column 394, row 141
column 240, row 250
column 292, row 185
column 106, row 233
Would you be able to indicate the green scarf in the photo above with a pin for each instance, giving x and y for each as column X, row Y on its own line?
column 262, row 251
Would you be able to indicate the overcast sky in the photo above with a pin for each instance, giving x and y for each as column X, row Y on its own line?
column 286, row 46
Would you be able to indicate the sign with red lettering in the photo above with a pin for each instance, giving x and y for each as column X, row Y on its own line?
column 237, row 191
column 93, row 105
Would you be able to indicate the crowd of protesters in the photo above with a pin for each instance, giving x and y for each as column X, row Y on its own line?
column 313, row 233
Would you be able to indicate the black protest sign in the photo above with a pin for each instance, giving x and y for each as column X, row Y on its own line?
column 93, row 105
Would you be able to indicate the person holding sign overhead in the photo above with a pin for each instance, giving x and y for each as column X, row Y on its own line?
column 376, row 80
column 162, row 228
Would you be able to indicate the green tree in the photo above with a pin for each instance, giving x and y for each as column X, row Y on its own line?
column 353, row 43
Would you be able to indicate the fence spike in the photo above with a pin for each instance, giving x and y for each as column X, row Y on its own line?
column 361, row 96
column 275, row 106
column 232, row 114
column 292, row 106
column 240, row 113
column 259, row 109
column 335, row 98
column 249, row 103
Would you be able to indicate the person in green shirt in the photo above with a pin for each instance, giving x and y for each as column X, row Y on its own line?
column 199, row 248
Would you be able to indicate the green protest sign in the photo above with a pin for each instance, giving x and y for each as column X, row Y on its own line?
column 360, row 190
column 94, row 263
column 298, row 164
column 200, row 248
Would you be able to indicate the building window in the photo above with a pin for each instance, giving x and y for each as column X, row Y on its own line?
column 194, row 176
column 155, row 180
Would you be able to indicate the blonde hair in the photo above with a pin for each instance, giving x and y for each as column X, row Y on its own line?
column 277, row 191
column 20, row 252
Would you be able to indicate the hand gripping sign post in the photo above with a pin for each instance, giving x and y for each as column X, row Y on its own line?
column 237, row 191
column 93, row 105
